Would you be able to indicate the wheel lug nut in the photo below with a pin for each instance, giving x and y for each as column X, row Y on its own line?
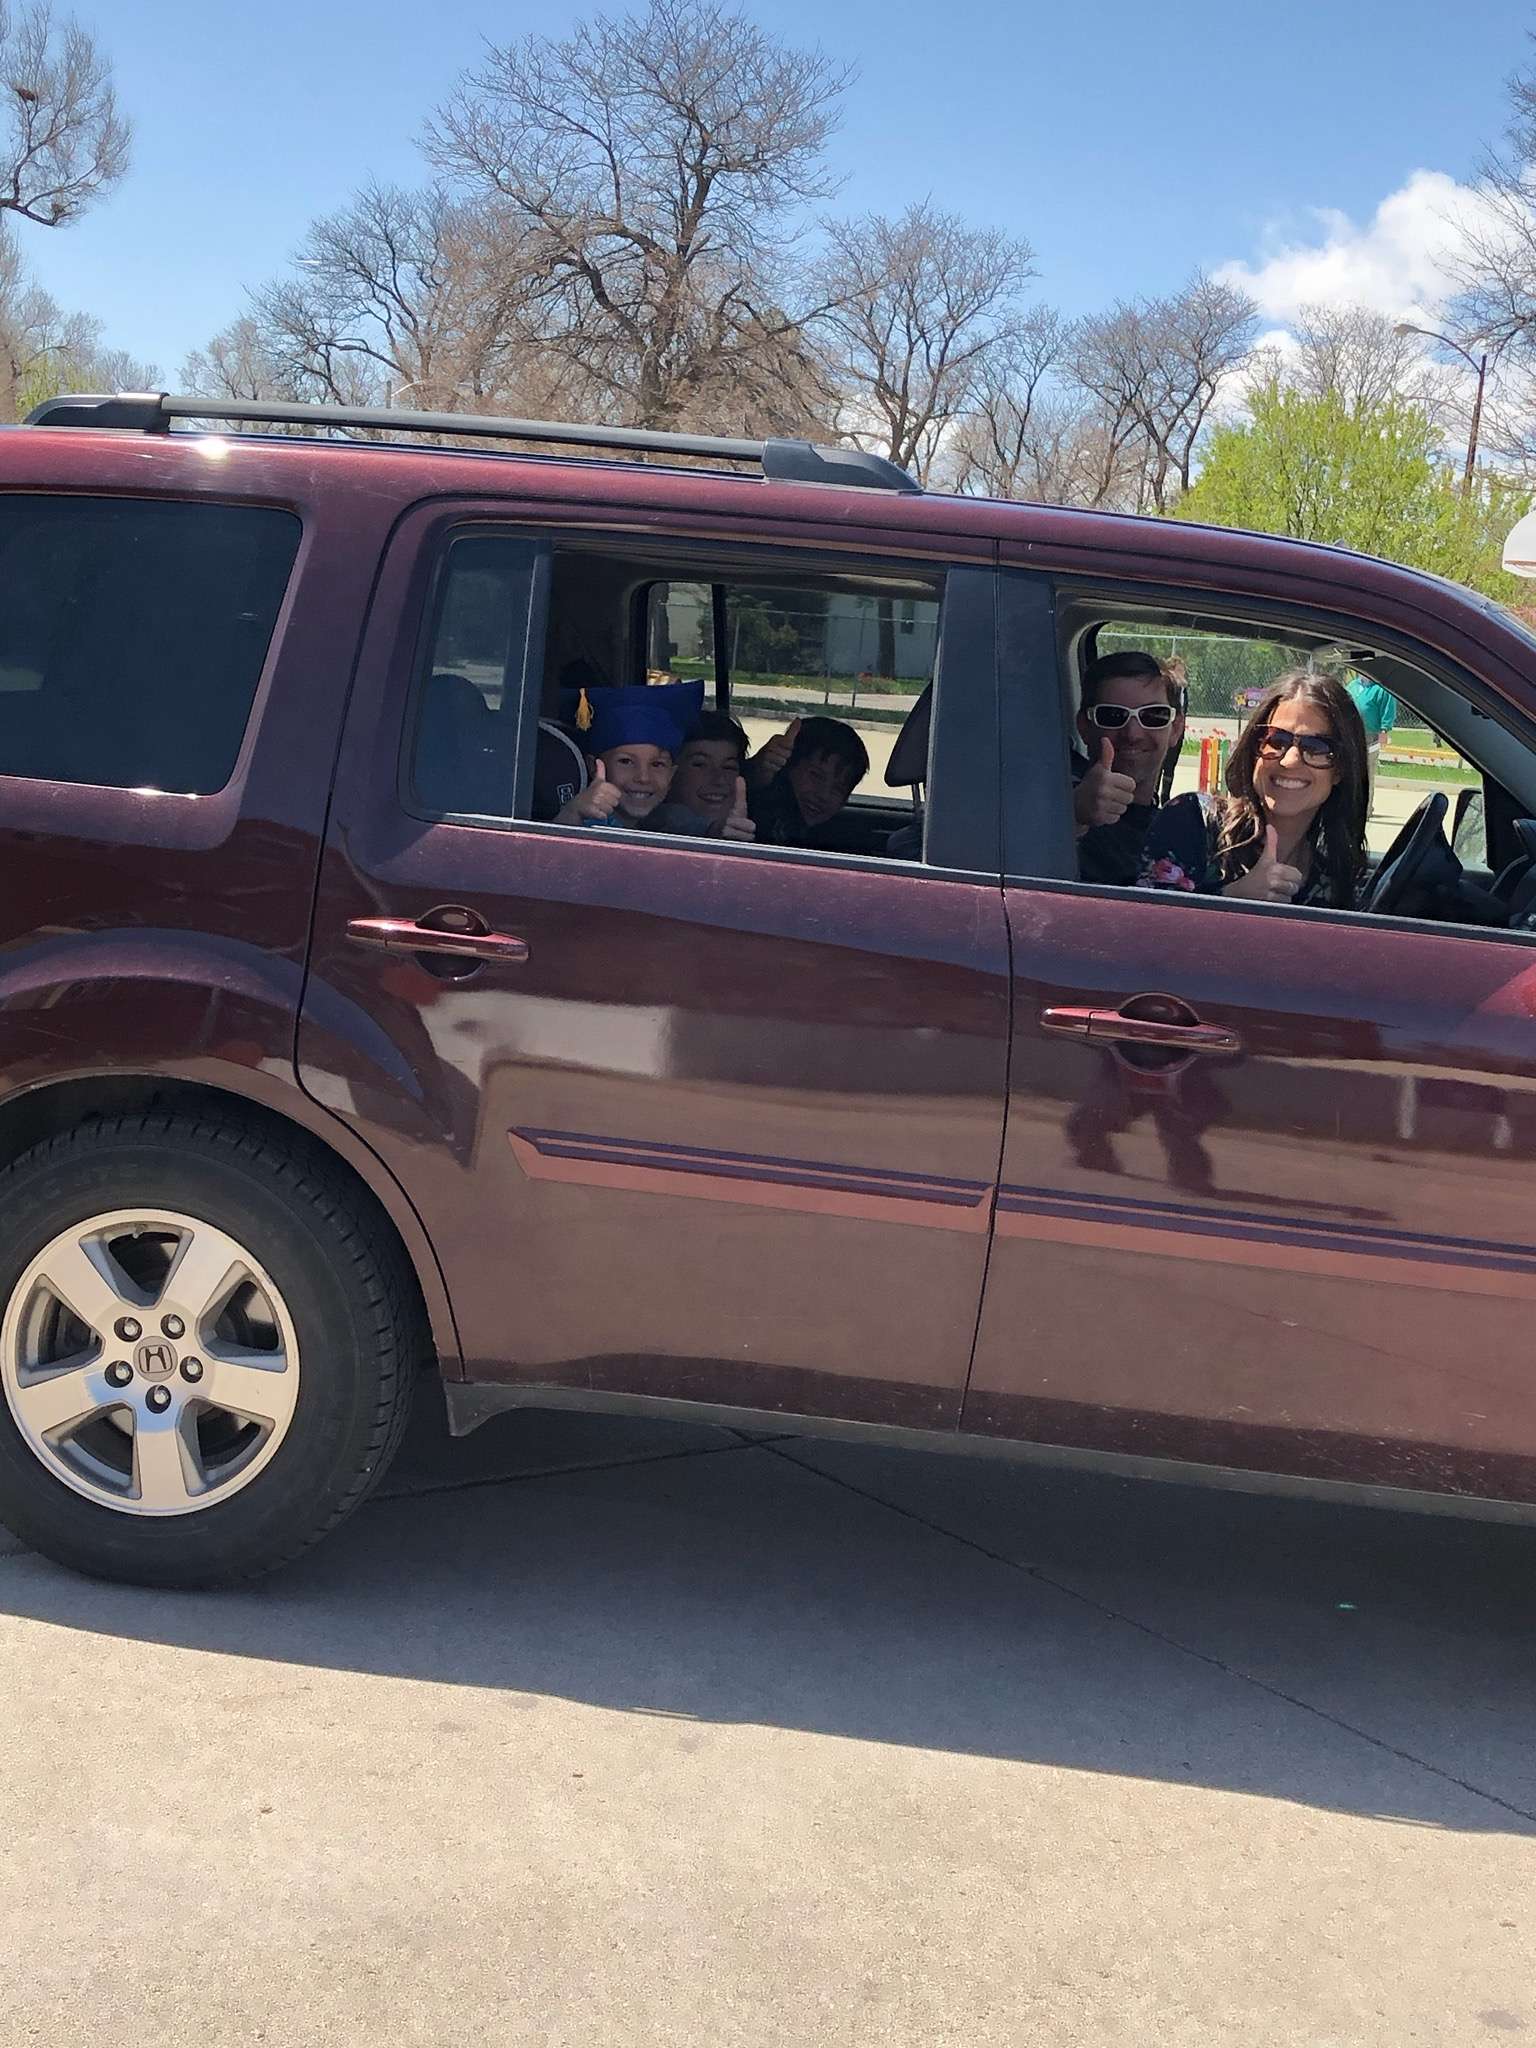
column 119, row 1373
column 192, row 1369
column 159, row 1398
column 173, row 1326
column 129, row 1330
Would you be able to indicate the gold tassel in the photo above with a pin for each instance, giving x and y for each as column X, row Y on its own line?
column 583, row 713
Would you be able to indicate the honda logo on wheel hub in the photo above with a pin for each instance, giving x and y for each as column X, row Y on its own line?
column 155, row 1361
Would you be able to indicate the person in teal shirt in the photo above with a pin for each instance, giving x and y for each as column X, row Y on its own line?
column 1378, row 714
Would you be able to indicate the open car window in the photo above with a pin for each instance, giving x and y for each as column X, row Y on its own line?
column 842, row 656
column 1449, row 782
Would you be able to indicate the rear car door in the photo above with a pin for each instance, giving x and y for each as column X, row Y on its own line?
column 1297, row 1236
column 718, row 1123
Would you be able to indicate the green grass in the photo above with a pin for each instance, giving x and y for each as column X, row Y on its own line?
column 1458, row 776
column 864, row 713
column 692, row 668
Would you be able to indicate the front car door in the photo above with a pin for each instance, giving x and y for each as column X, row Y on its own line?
column 723, row 1124
column 1301, row 1237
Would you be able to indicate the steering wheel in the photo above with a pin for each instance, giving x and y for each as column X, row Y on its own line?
column 1418, row 860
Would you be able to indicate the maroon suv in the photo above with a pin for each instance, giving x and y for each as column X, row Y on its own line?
column 326, row 1054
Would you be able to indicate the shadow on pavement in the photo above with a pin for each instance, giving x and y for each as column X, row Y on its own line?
column 1368, row 1663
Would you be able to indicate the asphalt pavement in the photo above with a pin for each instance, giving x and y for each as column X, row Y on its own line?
column 594, row 1732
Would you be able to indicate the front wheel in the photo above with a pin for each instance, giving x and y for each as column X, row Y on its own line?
column 207, row 1349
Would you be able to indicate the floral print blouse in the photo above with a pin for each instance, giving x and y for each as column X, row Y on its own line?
column 1180, row 851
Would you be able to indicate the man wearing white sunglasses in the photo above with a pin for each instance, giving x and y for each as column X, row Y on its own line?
column 1131, row 721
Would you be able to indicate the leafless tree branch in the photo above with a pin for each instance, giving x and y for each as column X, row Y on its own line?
column 65, row 142
column 918, row 310
column 649, row 169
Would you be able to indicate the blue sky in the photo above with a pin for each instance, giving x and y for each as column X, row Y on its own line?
column 1128, row 142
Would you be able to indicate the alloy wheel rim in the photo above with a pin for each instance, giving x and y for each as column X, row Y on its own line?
column 149, row 1362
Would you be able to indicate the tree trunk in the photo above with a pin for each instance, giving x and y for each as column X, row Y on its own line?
column 885, row 663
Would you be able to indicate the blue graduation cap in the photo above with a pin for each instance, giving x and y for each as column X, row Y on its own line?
column 655, row 714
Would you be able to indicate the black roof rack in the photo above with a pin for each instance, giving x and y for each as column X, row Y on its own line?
column 151, row 412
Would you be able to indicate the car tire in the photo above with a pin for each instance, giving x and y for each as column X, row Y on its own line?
column 211, row 1444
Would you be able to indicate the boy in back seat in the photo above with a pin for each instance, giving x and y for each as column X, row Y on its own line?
column 632, row 738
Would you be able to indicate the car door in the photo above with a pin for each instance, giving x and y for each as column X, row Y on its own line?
column 1267, row 1197
column 689, row 1120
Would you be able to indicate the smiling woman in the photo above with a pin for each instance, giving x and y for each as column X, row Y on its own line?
column 1291, row 827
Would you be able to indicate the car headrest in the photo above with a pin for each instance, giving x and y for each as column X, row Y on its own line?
column 909, row 756
column 452, row 698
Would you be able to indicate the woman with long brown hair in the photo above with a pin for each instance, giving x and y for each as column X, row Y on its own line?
column 1291, row 827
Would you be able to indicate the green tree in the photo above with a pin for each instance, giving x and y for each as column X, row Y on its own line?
column 1366, row 477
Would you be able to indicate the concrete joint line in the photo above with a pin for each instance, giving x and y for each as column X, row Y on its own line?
column 1087, row 1600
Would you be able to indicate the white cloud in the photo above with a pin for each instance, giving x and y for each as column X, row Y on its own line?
column 1397, row 263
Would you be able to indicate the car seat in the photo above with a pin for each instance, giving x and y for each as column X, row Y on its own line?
column 457, row 765
column 908, row 769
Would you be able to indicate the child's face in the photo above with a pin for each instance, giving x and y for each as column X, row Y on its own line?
column 822, row 784
column 642, row 773
column 706, row 778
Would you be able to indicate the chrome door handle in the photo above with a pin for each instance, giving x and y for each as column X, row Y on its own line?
column 1104, row 1025
column 404, row 935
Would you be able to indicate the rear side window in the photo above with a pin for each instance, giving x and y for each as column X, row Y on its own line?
column 132, row 636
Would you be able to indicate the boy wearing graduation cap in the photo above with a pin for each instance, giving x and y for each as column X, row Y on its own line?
column 632, row 738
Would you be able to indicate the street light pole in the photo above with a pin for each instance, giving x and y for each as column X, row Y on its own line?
column 1476, row 427
column 1479, row 363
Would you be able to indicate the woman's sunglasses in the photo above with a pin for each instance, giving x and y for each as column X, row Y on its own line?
column 1315, row 748
column 1111, row 717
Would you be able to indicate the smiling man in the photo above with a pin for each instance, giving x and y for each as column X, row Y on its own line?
column 1130, row 720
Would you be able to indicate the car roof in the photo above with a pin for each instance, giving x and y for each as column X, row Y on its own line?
column 889, row 510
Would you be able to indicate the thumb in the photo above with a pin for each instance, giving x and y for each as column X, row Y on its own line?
column 602, row 769
column 794, row 730
column 741, row 794
column 1271, row 844
column 1106, row 754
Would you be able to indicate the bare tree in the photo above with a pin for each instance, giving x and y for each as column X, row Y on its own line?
column 398, row 289
column 238, row 363
column 651, row 169
column 1363, row 359
column 65, row 142
column 1155, row 367
column 1010, row 435
column 1493, row 314
column 1068, row 455
column 919, row 311
column 44, row 350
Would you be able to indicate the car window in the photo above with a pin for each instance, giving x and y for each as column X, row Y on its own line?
column 800, row 666
column 1408, row 764
column 1415, row 760
column 1470, row 826
column 132, row 636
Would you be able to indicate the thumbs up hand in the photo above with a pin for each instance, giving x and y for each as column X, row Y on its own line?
column 773, row 755
column 600, row 799
column 739, row 824
column 1103, row 796
column 1270, row 879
